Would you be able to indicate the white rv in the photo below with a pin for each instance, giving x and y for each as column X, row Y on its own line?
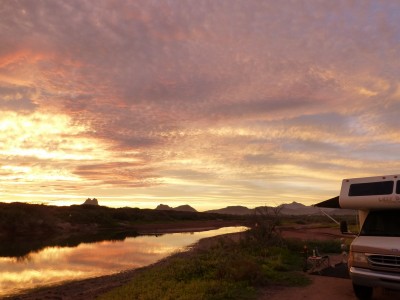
column 374, row 258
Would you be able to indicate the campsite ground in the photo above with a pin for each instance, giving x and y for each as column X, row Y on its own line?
column 322, row 287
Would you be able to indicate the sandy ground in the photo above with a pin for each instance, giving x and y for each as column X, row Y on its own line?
column 321, row 288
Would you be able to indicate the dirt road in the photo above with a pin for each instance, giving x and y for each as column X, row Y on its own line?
column 324, row 288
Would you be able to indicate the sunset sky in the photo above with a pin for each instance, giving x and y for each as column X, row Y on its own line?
column 207, row 103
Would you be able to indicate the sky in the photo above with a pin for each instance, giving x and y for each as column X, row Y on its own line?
column 206, row 103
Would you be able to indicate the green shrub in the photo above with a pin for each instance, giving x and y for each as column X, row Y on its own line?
column 227, row 270
column 324, row 247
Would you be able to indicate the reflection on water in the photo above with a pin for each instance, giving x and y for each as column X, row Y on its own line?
column 22, row 247
column 63, row 263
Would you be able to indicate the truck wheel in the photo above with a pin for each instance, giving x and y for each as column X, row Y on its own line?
column 363, row 292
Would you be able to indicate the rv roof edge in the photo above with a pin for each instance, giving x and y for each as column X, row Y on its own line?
column 330, row 203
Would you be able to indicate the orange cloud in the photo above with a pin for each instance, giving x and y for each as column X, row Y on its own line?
column 220, row 98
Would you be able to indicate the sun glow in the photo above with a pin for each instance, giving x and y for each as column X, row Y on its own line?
column 44, row 149
column 17, row 169
column 44, row 136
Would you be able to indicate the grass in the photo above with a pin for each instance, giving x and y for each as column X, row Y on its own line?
column 226, row 270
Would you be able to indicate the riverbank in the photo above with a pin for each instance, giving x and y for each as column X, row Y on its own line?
column 321, row 287
column 27, row 220
column 93, row 287
column 186, row 226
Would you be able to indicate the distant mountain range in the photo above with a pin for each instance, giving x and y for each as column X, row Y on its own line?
column 294, row 209
column 178, row 208
column 233, row 210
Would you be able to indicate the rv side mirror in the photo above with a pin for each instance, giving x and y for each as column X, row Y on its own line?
column 343, row 227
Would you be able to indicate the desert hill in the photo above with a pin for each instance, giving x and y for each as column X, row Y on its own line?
column 233, row 210
column 186, row 208
column 89, row 201
column 288, row 209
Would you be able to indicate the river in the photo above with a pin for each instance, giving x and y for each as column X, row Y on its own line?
column 55, row 264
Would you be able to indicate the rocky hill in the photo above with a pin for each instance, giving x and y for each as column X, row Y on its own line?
column 233, row 210
column 89, row 201
column 291, row 209
column 288, row 209
column 186, row 208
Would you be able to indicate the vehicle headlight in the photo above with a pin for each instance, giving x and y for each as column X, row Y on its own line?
column 357, row 258
column 360, row 258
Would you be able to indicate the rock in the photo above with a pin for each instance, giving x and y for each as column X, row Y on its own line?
column 164, row 207
column 91, row 202
column 178, row 208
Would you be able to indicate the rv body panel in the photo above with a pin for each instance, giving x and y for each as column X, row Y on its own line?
column 377, row 192
column 381, row 263
column 372, row 244
column 373, row 278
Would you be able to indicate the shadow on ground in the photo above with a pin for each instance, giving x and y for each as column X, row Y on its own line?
column 338, row 271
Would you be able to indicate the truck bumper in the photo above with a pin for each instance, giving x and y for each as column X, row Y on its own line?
column 374, row 278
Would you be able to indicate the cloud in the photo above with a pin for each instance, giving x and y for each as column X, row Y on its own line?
column 123, row 174
column 235, row 88
column 17, row 98
column 19, row 105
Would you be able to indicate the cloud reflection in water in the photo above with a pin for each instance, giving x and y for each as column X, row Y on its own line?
column 57, row 264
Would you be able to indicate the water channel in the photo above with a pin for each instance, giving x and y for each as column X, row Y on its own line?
column 55, row 264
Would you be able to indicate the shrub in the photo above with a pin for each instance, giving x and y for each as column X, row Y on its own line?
column 328, row 246
column 227, row 270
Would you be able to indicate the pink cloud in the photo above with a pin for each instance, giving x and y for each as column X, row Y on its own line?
column 158, row 77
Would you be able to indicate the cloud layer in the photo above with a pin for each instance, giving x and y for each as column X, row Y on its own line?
column 209, row 102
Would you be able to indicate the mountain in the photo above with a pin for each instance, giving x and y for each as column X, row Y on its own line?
column 164, row 207
column 296, row 209
column 287, row 209
column 178, row 208
column 91, row 202
column 290, row 209
column 185, row 208
column 233, row 210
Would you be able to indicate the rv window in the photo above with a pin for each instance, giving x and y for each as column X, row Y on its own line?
column 398, row 187
column 371, row 188
column 382, row 223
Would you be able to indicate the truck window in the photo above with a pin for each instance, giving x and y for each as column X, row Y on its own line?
column 371, row 188
column 382, row 223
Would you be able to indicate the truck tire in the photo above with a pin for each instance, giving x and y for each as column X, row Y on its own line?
column 363, row 292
